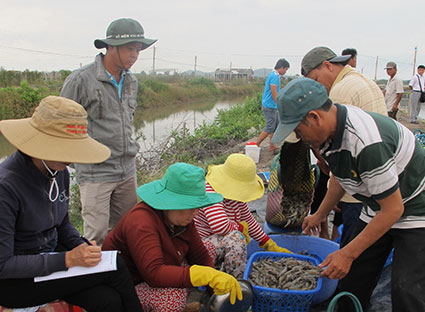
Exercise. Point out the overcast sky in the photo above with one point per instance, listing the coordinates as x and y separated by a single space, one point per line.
52 35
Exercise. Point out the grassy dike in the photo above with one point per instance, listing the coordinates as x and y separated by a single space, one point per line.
22 92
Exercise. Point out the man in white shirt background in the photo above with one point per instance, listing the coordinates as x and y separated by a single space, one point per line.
416 85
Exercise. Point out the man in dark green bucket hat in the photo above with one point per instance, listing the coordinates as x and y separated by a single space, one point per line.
161 246
107 90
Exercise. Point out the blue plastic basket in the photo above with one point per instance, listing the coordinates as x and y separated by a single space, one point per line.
278 300
313 246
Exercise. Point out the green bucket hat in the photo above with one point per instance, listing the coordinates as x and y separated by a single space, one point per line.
123 31
182 187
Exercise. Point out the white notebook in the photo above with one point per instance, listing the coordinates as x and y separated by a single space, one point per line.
108 263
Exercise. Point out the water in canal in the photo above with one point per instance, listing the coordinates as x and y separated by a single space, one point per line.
152 126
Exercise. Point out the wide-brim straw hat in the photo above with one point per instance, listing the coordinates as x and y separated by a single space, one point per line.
236 179
123 31
57 131
182 187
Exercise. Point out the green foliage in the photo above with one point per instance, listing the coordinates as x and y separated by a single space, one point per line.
202 83
64 73
9 78
155 85
74 210
209 141
19 102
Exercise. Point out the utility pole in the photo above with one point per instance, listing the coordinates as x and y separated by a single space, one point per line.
153 63
376 67
194 72
414 60
410 94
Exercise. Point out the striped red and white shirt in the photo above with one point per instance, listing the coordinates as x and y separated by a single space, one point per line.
224 217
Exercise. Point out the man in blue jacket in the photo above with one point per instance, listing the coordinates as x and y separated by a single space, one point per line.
269 106
36 236
107 90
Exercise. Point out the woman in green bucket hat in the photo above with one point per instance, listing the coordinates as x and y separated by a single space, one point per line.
161 246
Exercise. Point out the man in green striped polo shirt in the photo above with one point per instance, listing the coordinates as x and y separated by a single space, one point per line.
379 162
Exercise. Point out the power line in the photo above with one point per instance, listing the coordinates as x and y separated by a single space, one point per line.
45 52
231 54
179 63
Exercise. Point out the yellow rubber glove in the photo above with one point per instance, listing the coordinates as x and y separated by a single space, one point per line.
245 231
222 283
270 245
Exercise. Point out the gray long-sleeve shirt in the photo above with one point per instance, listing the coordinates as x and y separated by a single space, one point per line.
109 120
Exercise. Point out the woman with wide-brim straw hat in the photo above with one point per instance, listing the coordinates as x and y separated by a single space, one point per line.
226 227
34 222
161 246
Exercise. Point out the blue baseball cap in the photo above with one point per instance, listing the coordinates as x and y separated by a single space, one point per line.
294 101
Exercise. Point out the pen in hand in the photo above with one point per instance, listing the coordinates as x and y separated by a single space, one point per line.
86 240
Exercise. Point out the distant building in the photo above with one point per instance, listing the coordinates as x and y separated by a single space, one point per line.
165 71
233 74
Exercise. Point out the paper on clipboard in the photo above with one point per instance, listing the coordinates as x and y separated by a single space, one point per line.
108 263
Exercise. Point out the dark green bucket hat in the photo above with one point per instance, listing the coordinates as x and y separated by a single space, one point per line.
181 187
123 31
294 102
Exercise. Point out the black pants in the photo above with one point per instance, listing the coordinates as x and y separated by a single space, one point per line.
350 216
408 273
319 192
101 292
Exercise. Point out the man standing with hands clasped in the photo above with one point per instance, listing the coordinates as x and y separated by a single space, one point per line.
393 91
107 90
417 86
378 161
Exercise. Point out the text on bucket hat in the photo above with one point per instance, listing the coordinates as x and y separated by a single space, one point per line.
317 56
236 179
182 187
123 31
57 131
299 97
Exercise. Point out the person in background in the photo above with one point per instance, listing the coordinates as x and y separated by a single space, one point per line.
416 85
346 86
269 106
226 227
353 56
36 235
380 162
160 244
393 91
107 90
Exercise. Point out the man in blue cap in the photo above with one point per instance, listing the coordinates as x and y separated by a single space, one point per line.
379 162
107 90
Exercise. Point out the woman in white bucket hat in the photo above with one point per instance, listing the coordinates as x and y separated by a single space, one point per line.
36 235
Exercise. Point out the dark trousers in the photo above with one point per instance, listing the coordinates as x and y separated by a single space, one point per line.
319 192
101 292
408 274
350 216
